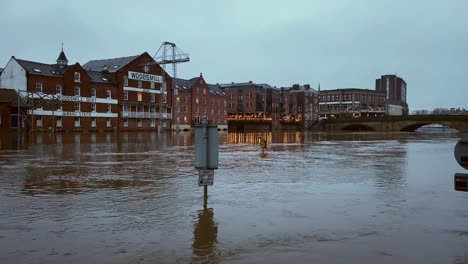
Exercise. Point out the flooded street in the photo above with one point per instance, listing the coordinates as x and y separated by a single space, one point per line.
315 198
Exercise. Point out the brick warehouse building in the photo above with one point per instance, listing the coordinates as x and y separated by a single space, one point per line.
249 102
298 106
195 99
351 102
123 93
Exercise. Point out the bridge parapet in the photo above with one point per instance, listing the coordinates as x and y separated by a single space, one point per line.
394 123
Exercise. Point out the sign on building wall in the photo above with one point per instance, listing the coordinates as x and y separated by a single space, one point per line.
145 77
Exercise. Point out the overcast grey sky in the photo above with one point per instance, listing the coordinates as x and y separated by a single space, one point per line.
339 43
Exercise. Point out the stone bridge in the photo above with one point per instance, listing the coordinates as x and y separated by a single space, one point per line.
394 123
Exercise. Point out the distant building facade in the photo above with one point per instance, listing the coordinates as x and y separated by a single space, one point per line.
249 101
298 105
395 90
196 99
351 102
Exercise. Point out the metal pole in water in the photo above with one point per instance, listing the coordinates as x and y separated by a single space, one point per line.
205 196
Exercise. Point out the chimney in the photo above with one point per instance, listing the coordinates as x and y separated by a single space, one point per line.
307 87
295 87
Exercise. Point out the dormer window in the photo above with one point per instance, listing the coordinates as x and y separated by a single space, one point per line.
77 77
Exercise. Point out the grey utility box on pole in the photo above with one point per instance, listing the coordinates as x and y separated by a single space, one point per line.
206 146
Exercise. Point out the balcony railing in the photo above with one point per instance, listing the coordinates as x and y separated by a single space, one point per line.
149 115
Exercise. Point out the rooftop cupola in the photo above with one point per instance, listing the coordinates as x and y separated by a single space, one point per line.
62 59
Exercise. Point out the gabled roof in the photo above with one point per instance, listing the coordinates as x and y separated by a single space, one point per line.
214 88
110 65
181 84
100 77
54 70
8 96
51 70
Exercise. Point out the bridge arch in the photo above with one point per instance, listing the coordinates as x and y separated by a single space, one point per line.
414 126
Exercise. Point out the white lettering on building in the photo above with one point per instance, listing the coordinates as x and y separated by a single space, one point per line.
145 77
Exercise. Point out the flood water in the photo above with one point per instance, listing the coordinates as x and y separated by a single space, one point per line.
315 198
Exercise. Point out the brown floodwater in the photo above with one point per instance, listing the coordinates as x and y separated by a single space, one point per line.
314 198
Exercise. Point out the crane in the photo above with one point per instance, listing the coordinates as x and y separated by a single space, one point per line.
170 55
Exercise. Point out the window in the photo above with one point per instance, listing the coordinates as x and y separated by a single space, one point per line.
109 108
77 77
59 107
231 96
77 107
38 87
152 85
196 100
198 90
152 109
212 111
77 122
93 122
212 101
178 99
58 89
153 123
93 107
140 123
59 121
300 108
93 92
146 68
39 121
185 109
204 110
125 95
204 100
218 120
185 119
249 95
108 122
109 93
204 91
186 99
125 78
76 91
140 83
140 97
225 103
198 110
153 98
125 124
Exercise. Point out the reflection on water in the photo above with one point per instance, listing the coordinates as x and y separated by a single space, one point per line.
314 197
205 237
